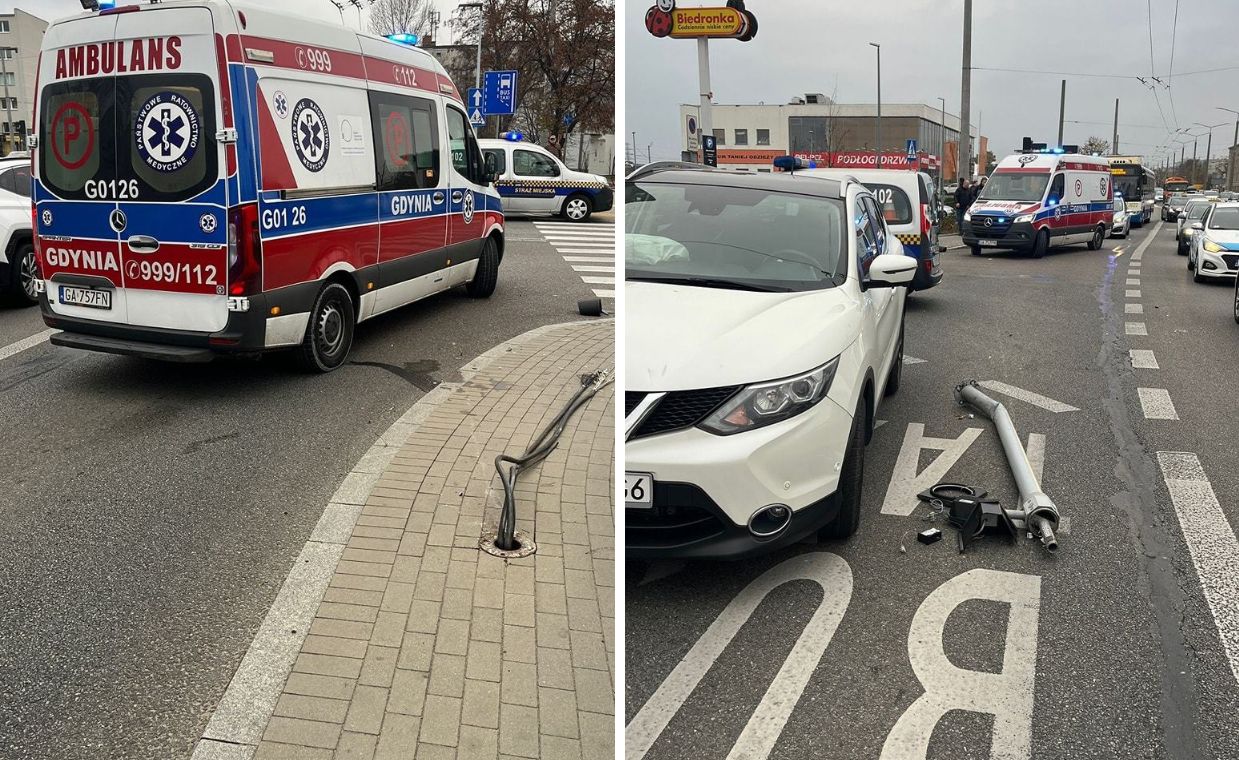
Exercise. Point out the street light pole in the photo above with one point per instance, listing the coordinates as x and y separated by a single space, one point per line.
878 140
477 82
942 143
964 167
1230 172
1209 145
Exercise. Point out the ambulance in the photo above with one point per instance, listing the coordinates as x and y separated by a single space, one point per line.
216 178
1041 199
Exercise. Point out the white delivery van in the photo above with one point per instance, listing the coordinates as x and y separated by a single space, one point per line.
1037 200
531 180
211 177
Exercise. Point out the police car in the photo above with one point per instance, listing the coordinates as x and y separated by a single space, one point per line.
217 178
533 181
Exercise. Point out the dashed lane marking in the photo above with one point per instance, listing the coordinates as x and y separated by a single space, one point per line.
1133 308
1036 399
1133 294
1210 541
1133 280
25 343
1135 328
1156 404
1143 358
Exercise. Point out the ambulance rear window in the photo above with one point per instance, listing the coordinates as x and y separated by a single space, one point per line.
147 137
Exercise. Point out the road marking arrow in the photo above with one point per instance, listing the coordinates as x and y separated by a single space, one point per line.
1036 399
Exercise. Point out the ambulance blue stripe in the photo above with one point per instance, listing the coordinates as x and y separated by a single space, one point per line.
244 117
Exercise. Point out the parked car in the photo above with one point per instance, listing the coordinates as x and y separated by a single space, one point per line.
764 326
1121 223
1194 211
19 269
911 210
531 180
1214 247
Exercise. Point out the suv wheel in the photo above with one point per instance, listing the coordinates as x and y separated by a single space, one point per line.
896 374
851 481
25 275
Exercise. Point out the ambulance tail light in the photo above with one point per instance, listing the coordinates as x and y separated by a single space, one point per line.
925 221
244 251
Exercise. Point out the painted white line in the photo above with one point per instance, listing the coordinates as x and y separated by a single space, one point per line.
913 360
1135 328
598 280
556 236
1036 399
1133 308
1133 280
587 250
246 706
591 244
584 268
1143 358
25 343
604 293
573 226
590 259
1133 294
1211 542
878 423
1156 404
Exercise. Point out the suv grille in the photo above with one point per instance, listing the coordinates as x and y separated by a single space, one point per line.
631 400
681 409
1231 259
682 514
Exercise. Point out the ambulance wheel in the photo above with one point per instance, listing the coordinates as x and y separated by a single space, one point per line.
1099 238
577 208
24 276
487 275
1041 244
329 335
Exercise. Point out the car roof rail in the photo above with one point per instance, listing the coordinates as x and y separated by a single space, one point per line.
658 166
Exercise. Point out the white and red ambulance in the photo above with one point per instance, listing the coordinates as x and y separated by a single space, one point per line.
216 178
1037 200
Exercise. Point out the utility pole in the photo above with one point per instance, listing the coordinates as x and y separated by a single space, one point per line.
965 99
1114 144
705 118
1062 111
635 157
942 144
878 138
4 54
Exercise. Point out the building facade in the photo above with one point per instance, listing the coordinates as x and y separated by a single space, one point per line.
751 136
21 36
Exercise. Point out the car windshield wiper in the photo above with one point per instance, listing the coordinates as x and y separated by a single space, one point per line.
712 282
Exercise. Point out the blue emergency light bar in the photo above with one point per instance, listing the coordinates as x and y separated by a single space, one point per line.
791 163
513 136
404 39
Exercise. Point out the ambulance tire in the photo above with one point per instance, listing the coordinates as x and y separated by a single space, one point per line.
23 276
487 274
1041 244
577 208
1098 239
329 334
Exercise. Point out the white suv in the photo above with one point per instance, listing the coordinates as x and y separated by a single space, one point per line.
18 267
764 324
1213 252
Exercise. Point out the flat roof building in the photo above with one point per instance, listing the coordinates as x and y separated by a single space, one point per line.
21 36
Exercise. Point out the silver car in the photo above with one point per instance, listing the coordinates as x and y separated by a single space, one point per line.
1194 211
1120 223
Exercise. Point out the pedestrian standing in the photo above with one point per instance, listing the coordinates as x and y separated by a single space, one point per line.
963 196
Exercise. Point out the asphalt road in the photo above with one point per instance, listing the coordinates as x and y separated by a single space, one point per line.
1108 649
152 511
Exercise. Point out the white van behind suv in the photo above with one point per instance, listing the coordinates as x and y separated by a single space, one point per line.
764 325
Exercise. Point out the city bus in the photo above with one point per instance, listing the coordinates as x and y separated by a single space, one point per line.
1175 185
1135 182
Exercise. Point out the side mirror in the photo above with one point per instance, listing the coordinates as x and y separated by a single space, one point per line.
891 270
492 168
1198 226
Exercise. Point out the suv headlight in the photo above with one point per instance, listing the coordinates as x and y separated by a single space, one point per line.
1024 218
764 404
1211 246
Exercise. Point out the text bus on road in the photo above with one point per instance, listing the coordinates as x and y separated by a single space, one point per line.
1175 185
213 178
1136 183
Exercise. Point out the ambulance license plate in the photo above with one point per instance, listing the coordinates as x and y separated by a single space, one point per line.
91 297
638 490
988 243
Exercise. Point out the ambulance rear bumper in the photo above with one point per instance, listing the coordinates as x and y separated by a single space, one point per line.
162 352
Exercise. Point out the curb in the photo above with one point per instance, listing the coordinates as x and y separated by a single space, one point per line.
243 711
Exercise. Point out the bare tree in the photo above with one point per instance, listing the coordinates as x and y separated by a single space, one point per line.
1095 144
400 16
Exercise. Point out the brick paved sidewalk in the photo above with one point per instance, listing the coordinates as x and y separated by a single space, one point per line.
425 647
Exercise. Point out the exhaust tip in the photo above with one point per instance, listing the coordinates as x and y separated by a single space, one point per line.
770 521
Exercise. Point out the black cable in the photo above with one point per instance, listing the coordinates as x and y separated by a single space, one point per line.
539 449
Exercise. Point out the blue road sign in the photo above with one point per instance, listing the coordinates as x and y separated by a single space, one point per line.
499 93
473 101
911 150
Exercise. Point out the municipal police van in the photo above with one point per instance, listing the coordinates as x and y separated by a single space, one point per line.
217 178
1036 200
533 181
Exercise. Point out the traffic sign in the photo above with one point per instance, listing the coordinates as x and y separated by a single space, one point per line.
911 150
709 151
473 99
499 93
476 117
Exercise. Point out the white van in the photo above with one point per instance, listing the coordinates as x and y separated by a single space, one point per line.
1037 200
911 209
531 180
211 177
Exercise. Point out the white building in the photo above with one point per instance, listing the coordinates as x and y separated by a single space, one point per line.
21 36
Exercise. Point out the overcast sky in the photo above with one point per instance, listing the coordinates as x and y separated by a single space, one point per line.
50 10
804 45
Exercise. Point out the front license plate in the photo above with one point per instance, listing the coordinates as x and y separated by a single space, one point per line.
638 490
91 297
990 243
